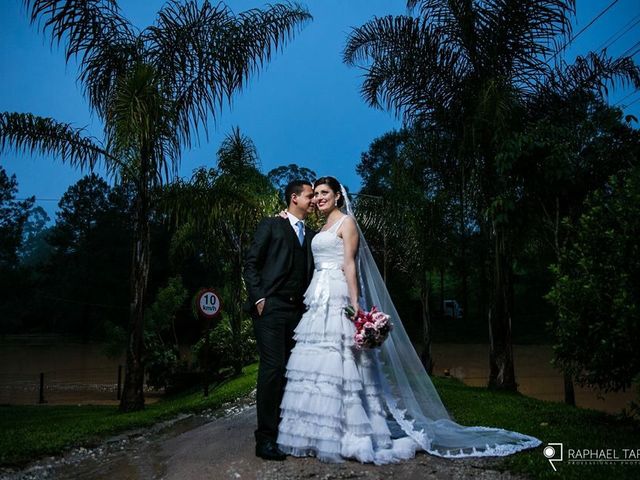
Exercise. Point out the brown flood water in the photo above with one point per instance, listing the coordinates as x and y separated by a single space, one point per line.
535 375
76 373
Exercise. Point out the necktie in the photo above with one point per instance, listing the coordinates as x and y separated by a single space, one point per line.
300 226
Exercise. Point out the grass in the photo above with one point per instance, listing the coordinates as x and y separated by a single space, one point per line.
551 422
29 432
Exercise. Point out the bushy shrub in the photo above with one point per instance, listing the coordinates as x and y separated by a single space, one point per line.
597 289
221 349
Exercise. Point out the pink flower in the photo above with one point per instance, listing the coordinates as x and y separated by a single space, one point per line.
372 328
378 316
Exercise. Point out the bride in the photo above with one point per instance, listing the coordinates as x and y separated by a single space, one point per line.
374 405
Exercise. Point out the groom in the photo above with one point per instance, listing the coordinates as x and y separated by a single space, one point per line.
277 271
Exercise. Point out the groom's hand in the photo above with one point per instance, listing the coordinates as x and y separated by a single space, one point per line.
260 307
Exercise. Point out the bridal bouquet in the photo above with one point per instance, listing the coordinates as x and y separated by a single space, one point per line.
372 328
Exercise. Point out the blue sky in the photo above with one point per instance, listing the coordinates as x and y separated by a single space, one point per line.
304 107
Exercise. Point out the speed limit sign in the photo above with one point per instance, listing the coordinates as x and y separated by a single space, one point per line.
208 303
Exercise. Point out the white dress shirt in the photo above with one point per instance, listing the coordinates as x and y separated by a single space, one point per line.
294 220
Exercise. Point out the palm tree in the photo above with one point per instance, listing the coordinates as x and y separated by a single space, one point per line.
154 90
476 69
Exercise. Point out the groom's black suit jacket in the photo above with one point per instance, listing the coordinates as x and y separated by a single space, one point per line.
270 258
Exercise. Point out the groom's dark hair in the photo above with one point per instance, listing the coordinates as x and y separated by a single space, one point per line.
294 187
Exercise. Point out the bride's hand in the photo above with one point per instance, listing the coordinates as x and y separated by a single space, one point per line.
282 214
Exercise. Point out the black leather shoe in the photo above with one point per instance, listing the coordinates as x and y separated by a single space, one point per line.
270 451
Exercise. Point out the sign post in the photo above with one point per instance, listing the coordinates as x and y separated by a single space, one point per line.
207 308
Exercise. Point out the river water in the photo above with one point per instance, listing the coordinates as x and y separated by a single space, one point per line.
77 373
74 372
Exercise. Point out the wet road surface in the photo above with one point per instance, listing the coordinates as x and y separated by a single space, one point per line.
220 445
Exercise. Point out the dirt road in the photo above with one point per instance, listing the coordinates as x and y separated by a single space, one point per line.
221 446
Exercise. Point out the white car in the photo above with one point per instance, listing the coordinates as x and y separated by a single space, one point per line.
452 309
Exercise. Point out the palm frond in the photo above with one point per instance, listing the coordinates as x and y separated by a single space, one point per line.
423 66
94 31
518 38
140 117
455 20
510 38
413 71
205 53
595 72
24 132
237 153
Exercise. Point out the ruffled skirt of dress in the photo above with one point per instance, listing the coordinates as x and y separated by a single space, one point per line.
332 406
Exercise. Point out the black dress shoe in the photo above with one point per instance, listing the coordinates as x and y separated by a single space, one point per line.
269 451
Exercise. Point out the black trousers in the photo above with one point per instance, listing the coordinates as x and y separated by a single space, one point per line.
274 336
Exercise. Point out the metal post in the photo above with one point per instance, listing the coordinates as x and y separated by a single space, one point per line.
205 373
119 394
41 399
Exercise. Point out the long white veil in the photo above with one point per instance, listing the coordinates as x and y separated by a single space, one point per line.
414 404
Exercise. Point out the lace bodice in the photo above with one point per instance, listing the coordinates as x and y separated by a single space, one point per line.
327 246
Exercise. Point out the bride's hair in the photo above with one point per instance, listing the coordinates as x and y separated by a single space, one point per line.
333 185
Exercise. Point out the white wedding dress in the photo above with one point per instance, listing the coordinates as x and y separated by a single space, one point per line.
337 403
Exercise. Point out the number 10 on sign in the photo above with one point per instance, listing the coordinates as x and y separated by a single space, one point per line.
208 303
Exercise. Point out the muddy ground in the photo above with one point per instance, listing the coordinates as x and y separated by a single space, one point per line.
220 445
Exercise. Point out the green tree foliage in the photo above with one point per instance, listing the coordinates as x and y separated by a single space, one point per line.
281 176
216 214
82 280
406 215
35 249
597 289
13 279
223 341
162 356
13 217
153 89
570 151
478 71
78 212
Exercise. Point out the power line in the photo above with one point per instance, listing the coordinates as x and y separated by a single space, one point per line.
39 199
584 29
611 40
635 101
632 47
625 97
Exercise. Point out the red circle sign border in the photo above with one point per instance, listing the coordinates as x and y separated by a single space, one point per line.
199 296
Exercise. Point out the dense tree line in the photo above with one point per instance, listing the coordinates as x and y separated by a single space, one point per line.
153 89
505 186
481 80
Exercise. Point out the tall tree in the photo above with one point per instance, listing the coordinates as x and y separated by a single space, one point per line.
597 288
153 89
34 247
409 212
282 175
572 149
475 68
13 217
79 209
